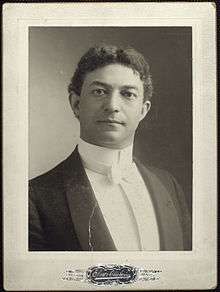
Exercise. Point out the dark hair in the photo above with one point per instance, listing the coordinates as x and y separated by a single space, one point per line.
100 56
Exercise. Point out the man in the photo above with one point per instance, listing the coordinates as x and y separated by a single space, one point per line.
100 197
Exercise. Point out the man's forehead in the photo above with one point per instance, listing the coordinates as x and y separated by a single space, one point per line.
114 74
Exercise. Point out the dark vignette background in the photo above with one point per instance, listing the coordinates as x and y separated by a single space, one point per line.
164 138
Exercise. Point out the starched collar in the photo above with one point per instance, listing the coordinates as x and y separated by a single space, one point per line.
102 159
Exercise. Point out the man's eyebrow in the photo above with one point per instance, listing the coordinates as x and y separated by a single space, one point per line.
100 83
130 87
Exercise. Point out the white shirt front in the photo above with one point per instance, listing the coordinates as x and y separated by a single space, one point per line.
122 196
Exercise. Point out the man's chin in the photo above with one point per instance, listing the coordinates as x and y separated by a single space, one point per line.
112 140
111 136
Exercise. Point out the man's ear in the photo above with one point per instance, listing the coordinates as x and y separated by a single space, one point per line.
145 109
74 102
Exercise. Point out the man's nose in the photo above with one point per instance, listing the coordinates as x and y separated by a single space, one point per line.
112 102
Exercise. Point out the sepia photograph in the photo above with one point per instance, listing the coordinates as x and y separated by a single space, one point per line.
118 189
109 146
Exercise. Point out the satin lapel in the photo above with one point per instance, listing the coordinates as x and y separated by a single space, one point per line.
87 218
164 205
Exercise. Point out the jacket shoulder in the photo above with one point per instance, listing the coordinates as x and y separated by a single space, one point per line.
165 177
57 174
48 178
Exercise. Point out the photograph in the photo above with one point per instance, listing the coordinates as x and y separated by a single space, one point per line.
109 146
118 189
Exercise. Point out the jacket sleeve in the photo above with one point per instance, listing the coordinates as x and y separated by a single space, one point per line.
36 235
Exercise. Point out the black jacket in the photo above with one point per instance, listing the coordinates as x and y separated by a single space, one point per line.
61 202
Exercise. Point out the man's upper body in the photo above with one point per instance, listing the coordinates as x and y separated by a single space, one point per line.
62 202
100 198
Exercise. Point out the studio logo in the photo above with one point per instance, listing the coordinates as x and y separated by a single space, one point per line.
111 274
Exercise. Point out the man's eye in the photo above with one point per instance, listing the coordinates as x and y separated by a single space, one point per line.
128 94
98 92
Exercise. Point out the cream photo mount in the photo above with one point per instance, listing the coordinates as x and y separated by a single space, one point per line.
24 270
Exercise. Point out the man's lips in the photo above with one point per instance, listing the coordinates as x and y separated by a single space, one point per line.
109 121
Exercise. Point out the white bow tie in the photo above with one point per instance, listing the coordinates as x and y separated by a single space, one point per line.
116 173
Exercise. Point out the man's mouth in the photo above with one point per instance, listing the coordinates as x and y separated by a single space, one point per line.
110 121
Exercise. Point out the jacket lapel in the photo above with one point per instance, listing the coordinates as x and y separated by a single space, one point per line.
86 215
165 205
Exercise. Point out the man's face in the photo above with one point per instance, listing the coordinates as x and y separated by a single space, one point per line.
110 106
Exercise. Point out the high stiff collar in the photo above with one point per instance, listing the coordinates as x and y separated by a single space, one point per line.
100 159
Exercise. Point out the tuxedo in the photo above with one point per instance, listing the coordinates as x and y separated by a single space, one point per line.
61 202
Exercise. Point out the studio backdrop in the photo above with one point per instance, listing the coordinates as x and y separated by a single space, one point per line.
164 137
